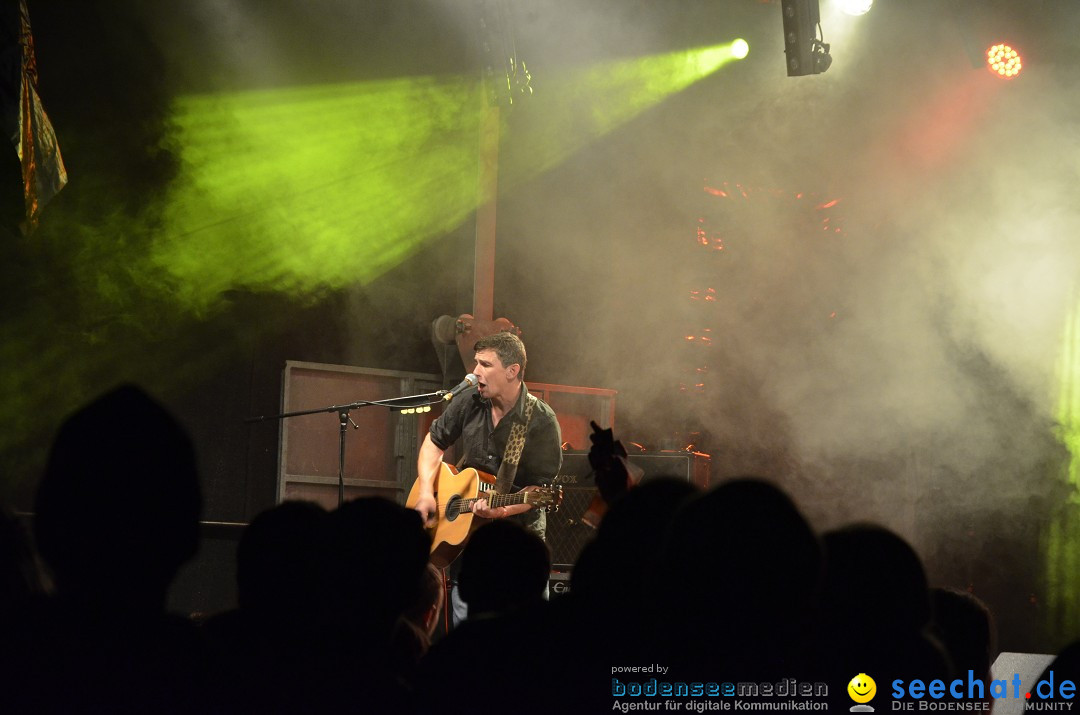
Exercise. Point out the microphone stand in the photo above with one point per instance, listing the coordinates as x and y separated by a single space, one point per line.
344 420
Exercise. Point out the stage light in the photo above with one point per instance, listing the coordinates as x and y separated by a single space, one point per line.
506 78
855 7
1003 60
740 48
806 51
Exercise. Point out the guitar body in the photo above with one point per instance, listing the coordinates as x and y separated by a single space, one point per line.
454 493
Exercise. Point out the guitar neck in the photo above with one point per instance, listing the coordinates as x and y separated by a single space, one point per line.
497 500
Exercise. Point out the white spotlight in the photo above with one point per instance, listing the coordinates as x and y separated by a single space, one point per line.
855 7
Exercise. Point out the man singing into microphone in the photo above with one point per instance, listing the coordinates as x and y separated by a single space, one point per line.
484 417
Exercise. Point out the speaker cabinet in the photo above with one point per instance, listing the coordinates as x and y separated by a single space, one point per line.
567 534
380 454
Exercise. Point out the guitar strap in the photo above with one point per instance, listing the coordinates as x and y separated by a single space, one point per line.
512 455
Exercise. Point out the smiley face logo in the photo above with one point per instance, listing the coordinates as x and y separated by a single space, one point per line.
862 688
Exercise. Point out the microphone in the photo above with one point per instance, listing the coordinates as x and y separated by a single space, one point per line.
469 381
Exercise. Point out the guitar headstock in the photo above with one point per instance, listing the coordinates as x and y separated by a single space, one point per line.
545 498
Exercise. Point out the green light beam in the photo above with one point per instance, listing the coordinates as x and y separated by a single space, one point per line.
581 105
1061 538
303 190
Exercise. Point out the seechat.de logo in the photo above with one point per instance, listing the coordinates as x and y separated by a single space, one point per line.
862 690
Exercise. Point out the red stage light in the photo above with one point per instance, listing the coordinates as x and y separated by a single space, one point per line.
1003 61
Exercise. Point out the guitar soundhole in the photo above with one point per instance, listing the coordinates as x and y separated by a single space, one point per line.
453 507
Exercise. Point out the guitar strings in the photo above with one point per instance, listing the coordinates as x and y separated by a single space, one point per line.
498 500
493 503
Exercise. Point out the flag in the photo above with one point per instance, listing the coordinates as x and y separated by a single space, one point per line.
43 172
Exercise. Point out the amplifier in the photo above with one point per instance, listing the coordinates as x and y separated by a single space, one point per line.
567 535
558 584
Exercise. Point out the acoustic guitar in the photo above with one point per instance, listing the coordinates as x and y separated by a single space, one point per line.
455 494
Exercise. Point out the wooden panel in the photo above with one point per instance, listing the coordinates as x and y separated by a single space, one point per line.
313 439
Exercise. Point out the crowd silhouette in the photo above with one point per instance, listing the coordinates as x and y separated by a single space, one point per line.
337 610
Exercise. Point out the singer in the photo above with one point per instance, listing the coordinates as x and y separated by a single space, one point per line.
484 417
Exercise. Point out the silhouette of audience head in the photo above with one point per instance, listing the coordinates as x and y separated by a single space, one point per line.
424 612
383 554
964 625
746 545
413 636
284 563
876 607
117 515
744 549
118 505
629 540
503 567
875 582
637 520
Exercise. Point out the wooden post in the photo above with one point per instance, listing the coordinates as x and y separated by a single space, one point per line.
487 192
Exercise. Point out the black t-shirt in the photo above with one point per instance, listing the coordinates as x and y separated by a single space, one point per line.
468 417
